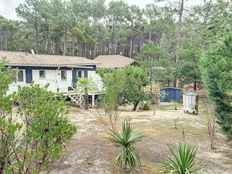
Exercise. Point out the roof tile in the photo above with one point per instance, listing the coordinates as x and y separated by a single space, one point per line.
27 59
113 61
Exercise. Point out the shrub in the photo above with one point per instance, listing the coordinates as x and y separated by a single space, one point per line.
47 127
128 84
127 157
181 160
217 77
35 136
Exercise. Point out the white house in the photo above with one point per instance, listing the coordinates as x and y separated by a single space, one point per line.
60 72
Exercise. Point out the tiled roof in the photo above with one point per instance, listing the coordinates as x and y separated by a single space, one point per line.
28 59
113 61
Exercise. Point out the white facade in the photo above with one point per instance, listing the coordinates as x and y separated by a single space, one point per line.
57 79
53 78
13 87
97 79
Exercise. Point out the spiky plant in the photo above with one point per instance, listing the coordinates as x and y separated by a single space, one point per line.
127 157
181 160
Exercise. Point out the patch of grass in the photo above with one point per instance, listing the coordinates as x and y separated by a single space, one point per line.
228 155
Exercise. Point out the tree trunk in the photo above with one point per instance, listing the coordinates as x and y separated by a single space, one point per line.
135 106
2 165
195 84
73 48
115 45
179 29
47 42
176 83
65 40
131 47
37 39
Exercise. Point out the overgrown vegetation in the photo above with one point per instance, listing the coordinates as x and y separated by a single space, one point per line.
37 133
217 78
127 85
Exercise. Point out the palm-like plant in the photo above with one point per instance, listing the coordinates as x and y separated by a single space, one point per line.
84 85
127 157
181 160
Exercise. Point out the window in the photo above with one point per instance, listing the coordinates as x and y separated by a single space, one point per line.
63 75
80 74
42 74
20 76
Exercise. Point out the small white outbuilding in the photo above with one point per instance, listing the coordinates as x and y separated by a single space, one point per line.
190 103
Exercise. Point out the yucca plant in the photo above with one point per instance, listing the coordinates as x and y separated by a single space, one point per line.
181 160
127 158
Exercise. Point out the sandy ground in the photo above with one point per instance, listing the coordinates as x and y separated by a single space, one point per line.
90 153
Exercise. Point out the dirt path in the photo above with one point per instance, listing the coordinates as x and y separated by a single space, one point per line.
90 153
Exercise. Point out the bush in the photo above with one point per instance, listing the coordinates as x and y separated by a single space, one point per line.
127 157
37 134
127 85
47 127
217 77
181 160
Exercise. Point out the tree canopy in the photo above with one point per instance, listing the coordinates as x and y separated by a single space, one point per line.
167 39
217 78
93 27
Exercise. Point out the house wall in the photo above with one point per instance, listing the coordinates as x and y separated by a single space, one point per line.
13 87
97 79
53 77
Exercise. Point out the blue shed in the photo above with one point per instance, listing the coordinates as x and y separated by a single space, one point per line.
170 94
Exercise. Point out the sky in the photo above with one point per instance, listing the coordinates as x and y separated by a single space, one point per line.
7 7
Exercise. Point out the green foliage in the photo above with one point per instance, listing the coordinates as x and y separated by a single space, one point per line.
5 78
84 86
36 135
125 85
180 160
113 82
8 128
47 128
84 83
155 61
90 28
136 79
151 53
127 157
217 77
221 23
188 70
